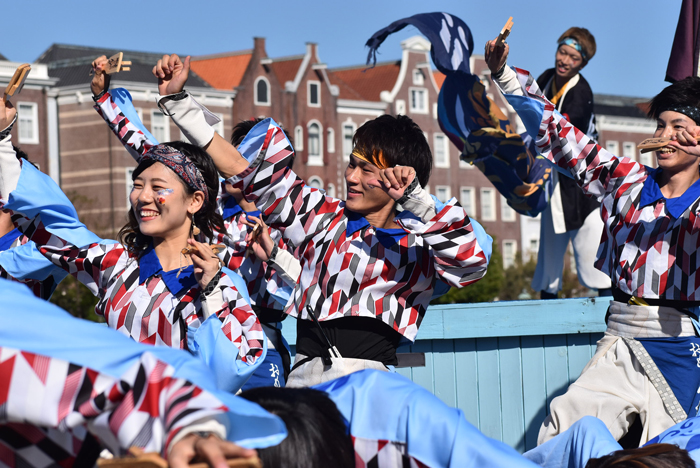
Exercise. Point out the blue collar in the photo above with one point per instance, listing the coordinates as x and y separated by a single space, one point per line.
387 237
675 206
7 240
149 265
232 208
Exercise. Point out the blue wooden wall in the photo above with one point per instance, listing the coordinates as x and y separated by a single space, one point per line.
502 363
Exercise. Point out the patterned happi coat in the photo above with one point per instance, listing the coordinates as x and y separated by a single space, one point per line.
349 268
41 288
649 245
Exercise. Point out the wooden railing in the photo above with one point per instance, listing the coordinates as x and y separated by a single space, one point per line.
502 363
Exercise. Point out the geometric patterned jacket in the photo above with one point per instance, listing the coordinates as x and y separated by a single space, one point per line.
649 245
350 268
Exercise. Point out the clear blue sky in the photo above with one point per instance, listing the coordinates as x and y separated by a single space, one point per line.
634 36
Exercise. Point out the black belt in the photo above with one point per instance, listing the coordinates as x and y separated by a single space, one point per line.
625 298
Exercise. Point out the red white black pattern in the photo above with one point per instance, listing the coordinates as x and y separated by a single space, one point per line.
42 289
370 453
354 274
46 405
646 251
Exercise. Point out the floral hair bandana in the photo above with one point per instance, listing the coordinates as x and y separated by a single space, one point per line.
180 164
570 41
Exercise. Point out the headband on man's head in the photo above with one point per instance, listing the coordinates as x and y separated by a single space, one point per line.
689 111
380 161
180 165
570 41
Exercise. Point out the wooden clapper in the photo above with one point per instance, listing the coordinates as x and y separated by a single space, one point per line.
116 64
17 81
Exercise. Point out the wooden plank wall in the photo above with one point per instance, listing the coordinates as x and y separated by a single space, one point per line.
503 363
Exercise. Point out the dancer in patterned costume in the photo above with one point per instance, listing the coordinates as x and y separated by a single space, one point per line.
647 363
181 303
367 273
69 387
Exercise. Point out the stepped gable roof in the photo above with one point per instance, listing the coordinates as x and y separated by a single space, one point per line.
222 71
362 83
286 68
71 64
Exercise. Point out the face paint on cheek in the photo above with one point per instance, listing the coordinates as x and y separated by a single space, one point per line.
162 194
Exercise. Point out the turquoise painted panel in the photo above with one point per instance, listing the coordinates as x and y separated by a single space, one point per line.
466 379
511 371
556 366
424 375
445 372
488 375
534 387
579 353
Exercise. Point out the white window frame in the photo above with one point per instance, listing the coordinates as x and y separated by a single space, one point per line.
491 195
508 214
129 184
308 93
348 124
400 107
629 150
315 159
465 165
33 122
330 140
448 192
166 128
507 263
613 146
418 77
257 101
468 195
299 138
415 110
440 140
317 180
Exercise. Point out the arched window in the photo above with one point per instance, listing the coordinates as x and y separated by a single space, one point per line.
330 190
315 148
316 182
299 138
262 91
331 140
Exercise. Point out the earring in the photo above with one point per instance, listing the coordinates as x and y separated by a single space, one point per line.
195 229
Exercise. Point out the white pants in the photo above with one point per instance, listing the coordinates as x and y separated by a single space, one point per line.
550 258
314 372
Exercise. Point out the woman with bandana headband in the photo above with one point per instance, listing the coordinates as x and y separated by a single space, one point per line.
149 288
647 365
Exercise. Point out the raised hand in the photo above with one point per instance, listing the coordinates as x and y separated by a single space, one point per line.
496 56
172 74
100 80
258 239
211 449
395 180
205 261
7 114
686 140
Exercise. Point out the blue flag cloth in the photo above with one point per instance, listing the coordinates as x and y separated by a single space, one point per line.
384 406
45 329
685 434
122 98
451 39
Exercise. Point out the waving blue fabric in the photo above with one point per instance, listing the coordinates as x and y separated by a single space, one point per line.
48 330
386 406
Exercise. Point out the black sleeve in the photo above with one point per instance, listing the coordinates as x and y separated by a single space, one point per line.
578 105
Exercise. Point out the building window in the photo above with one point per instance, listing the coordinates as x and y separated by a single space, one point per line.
28 116
466 199
160 127
129 185
315 145
629 150
315 182
299 138
418 77
419 100
507 213
442 150
534 247
348 133
488 204
510 248
331 140
465 165
613 147
314 93
645 158
262 92
330 190
400 107
442 192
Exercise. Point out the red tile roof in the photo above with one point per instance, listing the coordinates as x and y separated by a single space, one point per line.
222 71
356 83
286 69
439 78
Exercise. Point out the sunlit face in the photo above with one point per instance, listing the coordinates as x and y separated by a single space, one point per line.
161 204
670 158
363 184
568 62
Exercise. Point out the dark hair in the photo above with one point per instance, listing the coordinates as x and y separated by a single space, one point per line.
399 140
650 456
685 92
207 218
241 129
584 37
22 155
317 433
